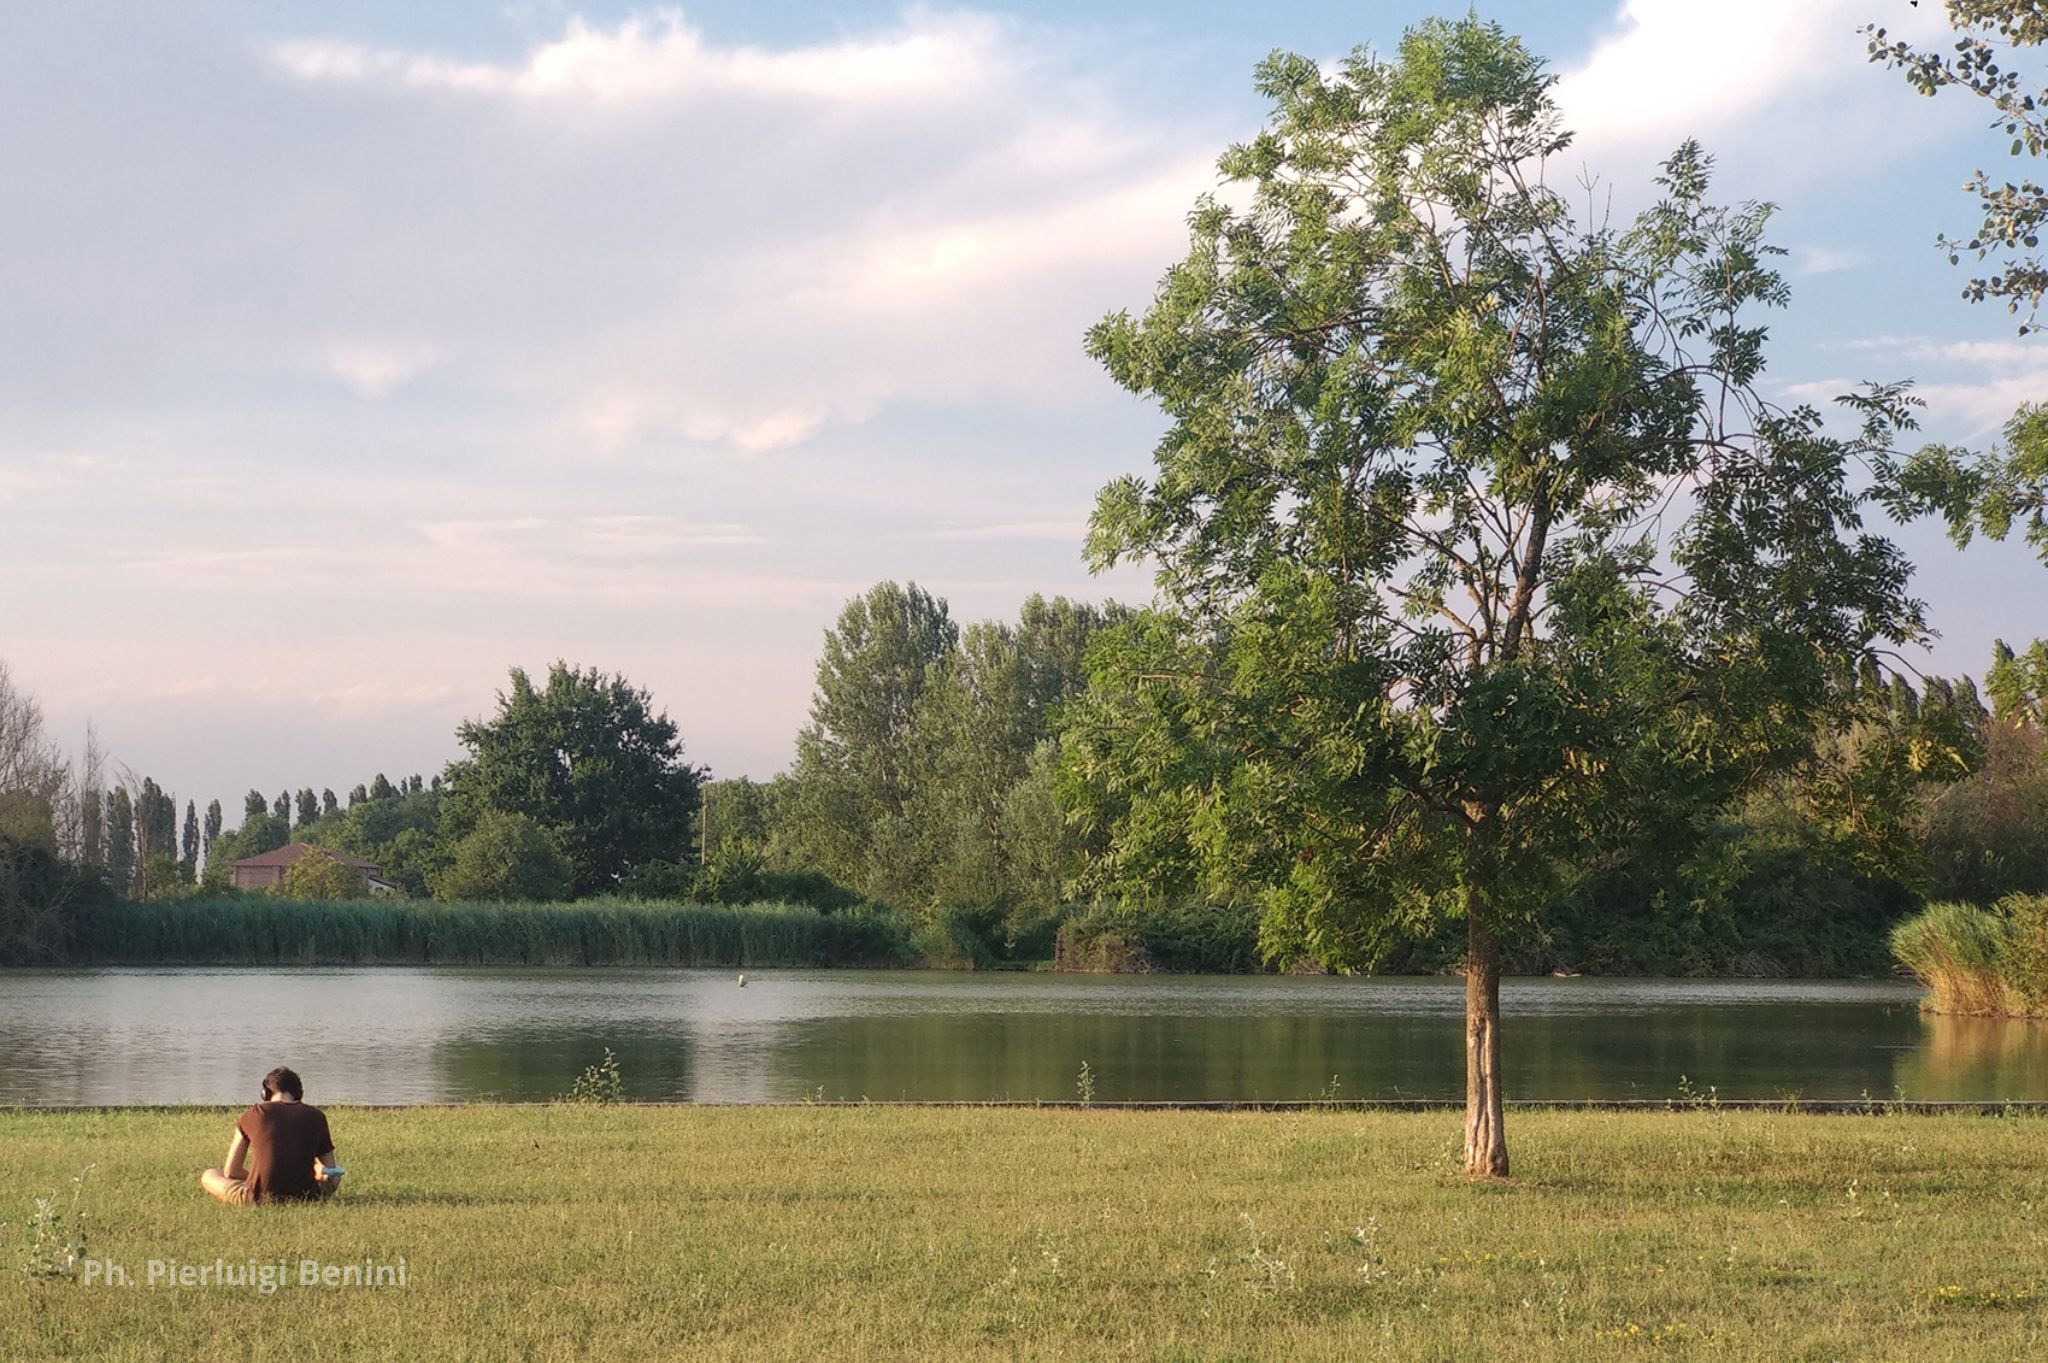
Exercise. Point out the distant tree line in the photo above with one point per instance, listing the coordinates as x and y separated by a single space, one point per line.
945 777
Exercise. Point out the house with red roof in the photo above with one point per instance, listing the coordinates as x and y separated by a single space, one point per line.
264 870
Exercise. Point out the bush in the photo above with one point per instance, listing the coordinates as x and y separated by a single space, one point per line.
600 1084
41 899
957 937
1185 938
506 856
1980 961
317 875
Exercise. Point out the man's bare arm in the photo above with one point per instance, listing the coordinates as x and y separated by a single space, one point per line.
238 1151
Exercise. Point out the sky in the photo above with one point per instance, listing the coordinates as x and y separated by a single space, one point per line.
352 354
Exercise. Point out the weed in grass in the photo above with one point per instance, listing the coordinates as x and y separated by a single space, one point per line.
1373 1266
599 1083
1265 1272
53 1237
1694 1099
1084 1085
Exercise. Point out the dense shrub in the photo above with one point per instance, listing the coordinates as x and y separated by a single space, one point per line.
41 899
506 856
318 875
1974 960
1192 938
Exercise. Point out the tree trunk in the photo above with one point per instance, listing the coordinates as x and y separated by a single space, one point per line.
1486 1139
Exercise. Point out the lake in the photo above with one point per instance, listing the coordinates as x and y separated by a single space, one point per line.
448 1034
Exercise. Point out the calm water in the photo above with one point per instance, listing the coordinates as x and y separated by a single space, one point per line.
413 1035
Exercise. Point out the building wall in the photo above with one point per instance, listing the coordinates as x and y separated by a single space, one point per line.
255 877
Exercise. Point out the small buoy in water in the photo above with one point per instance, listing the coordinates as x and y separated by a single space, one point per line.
743 981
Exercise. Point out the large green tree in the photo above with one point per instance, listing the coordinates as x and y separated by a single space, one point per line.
849 809
120 841
990 706
1474 534
188 845
590 761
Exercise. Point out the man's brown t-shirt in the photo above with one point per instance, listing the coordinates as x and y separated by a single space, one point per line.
284 1140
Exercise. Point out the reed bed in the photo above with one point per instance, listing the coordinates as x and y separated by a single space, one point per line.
1977 961
259 930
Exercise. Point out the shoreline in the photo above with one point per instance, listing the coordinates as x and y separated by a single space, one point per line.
1791 1107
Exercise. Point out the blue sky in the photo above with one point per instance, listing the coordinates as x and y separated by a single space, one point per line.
354 353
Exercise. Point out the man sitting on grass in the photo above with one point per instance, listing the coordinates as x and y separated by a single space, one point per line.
289 1154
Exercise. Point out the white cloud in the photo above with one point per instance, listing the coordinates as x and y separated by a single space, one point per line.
1820 260
776 242
1072 530
660 58
609 537
41 475
1738 74
1970 387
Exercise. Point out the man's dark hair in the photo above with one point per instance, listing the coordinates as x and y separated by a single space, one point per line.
283 1080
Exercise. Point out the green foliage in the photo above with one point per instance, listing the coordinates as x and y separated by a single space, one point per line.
1989 492
401 833
925 779
1185 938
1995 489
738 813
957 936
984 733
162 877
1432 639
260 930
41 897
1986 837
1986 59
599 1084
2018 684
505 856
586 758
318 875
261 831
1980 961
848 810
188 845
120 841
54 1239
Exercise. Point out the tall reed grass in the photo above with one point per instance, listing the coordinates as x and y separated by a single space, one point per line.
260 930
1980 961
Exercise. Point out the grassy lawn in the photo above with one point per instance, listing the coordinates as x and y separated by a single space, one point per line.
829 1233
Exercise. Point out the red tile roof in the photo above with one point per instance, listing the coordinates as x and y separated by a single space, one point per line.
285 856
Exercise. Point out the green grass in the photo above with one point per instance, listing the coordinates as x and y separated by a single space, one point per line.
841 1233
260 930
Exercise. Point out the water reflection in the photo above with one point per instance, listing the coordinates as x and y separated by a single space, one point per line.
399 1035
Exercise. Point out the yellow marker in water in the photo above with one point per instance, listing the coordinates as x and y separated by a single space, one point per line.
743 981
